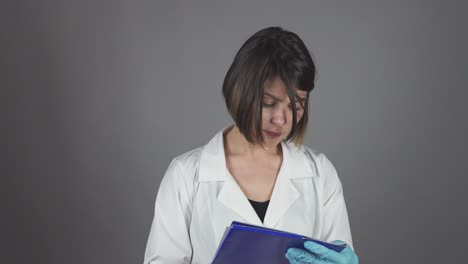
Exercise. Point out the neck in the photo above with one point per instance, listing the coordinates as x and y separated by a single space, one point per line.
236 144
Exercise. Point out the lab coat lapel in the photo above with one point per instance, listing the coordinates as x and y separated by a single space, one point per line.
298 163
213 168
232 197
284 193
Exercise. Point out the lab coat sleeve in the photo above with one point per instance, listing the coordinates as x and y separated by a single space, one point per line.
335 216
169 240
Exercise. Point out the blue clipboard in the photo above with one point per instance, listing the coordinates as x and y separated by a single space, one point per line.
245 243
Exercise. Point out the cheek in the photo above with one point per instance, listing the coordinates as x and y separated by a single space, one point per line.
266 115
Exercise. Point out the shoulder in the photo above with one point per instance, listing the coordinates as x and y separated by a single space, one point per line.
323 171
180 175
202 160
318 157
316 160
184 167
188 160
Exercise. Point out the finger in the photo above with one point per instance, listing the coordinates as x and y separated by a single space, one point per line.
295 261
348 252
291 259
322 251
301 255
339 242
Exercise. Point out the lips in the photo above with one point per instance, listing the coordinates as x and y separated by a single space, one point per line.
273 134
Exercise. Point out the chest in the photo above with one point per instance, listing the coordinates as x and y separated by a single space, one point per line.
255 177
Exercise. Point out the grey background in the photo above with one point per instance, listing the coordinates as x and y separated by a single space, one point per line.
100 95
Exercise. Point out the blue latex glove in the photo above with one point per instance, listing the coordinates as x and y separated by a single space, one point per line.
318 254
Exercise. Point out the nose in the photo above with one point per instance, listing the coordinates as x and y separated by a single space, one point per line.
279 117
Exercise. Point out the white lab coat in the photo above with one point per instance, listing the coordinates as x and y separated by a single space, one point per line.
198 199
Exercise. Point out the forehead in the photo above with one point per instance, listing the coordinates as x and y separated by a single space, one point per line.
277 88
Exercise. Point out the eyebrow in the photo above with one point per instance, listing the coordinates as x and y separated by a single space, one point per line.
298 98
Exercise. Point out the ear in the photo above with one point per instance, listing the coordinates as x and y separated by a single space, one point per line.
299 114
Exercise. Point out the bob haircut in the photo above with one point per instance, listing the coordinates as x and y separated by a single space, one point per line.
271 52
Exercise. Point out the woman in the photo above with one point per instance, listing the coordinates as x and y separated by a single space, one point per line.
256 171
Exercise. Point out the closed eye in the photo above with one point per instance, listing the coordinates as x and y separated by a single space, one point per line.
266 105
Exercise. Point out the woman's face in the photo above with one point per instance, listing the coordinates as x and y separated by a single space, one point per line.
277 112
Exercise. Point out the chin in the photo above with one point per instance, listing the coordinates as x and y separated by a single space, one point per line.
272 143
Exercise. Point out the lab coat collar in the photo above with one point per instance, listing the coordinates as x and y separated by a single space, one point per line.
295 165
213 161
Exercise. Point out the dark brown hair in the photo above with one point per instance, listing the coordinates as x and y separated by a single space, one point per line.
269 53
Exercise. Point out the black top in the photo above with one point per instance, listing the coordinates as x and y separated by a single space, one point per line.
260 208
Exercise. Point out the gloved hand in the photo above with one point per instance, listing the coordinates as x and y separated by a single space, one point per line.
318 254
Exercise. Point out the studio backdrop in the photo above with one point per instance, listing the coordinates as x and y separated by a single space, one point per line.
100 96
